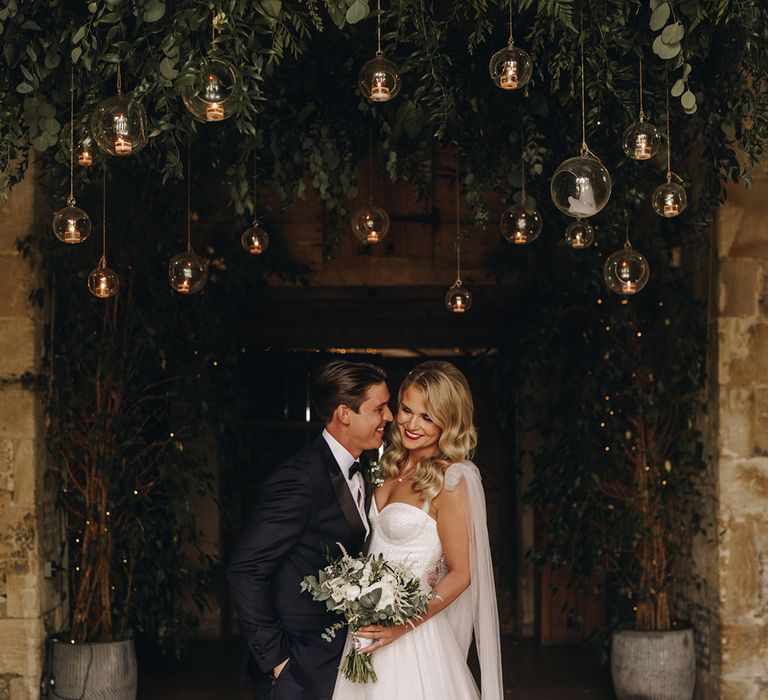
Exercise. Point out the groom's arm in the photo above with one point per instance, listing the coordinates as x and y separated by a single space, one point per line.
278 522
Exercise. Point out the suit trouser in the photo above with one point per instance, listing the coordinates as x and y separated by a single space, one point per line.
284 687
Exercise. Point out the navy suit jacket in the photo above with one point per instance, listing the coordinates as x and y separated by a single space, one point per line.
304 509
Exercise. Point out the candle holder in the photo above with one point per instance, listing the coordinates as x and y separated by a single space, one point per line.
579 234
511 68
119 124
255 240
520 224
458 299
626 272
213 94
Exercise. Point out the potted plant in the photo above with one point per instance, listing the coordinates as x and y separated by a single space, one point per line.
123 400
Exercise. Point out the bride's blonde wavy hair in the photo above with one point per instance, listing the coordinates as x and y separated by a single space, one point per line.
450 406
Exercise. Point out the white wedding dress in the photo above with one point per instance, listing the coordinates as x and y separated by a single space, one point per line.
430 661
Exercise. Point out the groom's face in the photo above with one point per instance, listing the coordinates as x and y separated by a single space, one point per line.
366 427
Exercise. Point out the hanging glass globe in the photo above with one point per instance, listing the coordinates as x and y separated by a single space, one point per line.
520 224
626 271
581 186
669 199
71 224
84 153
255 239
641 140
370 224
458 298
379 79
511 68
212 95
103 282
579 234
188 272
119 126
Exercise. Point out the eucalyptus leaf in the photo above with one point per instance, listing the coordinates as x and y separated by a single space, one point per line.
665 51
688 100
660 16
24 88
154 11
686 71
358 11
654 4
673 33
75 54
678 88
168 69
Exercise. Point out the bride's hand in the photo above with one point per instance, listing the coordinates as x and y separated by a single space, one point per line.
381 636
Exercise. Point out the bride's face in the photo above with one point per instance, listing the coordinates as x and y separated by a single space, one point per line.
418 430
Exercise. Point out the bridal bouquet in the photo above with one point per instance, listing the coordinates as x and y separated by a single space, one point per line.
366 590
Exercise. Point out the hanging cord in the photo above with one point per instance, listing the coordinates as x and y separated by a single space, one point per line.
213 34
511 41
255 180
119 80
189 197
669 156
458 223
71 198
584 147
103 261
627 244
370 163
378 28
522 178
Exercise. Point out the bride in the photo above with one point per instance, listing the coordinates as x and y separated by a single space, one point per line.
430 514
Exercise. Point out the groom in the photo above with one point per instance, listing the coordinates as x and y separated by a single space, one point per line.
317 498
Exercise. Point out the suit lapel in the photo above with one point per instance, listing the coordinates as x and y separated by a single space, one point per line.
340 488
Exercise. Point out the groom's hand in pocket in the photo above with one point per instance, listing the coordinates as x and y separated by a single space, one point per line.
277 670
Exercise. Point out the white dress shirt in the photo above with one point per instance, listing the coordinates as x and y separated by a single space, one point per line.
356 484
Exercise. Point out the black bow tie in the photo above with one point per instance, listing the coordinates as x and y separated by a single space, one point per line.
355 469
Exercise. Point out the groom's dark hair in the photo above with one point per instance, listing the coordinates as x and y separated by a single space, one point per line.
341 382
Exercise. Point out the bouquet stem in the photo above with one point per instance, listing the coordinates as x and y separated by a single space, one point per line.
358 668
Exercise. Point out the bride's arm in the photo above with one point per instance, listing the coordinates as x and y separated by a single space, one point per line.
451 507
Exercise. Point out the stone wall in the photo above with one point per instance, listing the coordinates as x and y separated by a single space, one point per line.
742 442
30 605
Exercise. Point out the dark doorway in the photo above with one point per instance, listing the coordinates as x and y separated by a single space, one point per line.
282 421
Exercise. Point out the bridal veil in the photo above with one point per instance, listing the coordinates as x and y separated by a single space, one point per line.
476 609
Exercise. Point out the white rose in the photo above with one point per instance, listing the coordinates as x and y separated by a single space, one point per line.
352 592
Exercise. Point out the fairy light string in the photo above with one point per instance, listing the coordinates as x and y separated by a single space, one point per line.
378 28
642 112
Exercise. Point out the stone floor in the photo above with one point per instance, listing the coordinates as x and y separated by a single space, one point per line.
532 672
